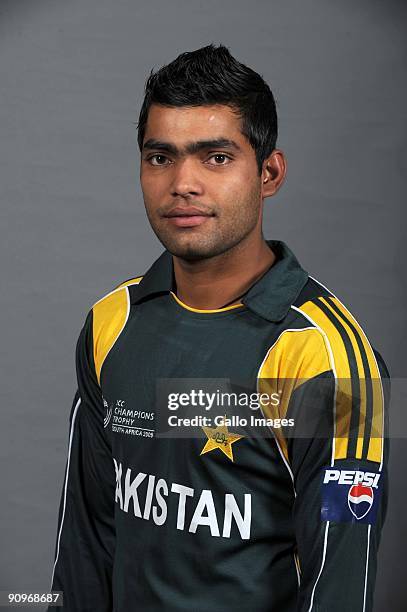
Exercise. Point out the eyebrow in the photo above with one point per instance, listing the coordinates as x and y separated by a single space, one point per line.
192 147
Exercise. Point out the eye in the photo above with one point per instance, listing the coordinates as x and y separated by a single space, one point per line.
159 159
222 157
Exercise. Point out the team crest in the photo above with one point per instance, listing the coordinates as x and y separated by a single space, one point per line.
220 438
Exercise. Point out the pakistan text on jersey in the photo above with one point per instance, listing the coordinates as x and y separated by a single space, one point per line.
205 513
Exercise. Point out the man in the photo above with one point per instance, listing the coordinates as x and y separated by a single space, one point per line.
221 520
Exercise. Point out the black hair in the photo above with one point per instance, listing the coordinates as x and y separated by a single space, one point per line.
211 75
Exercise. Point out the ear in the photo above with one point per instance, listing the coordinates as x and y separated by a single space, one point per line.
273 174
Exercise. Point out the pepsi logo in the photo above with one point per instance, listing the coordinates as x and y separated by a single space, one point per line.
360 500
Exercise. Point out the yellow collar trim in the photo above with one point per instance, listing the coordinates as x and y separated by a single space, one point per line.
238 305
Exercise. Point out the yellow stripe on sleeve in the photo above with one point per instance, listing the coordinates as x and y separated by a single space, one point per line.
376 435
343 403
361 375
297 356
339 325
109 317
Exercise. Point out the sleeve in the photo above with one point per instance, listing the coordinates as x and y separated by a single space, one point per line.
338 456
85 533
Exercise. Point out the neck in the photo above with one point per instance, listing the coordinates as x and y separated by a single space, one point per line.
210 283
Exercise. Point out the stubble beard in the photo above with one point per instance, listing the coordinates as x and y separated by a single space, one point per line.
196 243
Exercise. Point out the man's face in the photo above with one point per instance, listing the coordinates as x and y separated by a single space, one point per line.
200 181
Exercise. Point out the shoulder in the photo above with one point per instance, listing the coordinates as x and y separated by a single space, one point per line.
327 339
108 316
358 368
300 350
115 301
322 334
344 337
119 289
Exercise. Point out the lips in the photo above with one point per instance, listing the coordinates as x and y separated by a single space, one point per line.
187 217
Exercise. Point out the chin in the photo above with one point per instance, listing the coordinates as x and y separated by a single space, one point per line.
191 252
191 249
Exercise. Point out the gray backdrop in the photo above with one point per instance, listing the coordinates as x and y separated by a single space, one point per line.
73 225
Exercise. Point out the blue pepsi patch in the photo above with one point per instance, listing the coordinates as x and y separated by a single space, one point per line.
350 495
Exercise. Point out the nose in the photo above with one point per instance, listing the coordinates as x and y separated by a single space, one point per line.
185 179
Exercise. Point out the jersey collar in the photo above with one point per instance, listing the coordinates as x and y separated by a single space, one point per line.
270 297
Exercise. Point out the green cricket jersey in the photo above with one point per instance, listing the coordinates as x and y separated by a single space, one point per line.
274 509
